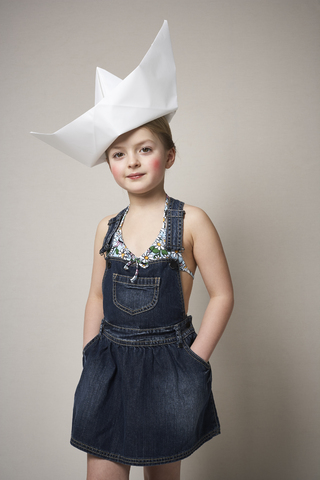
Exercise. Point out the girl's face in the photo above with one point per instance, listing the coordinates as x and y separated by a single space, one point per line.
138 160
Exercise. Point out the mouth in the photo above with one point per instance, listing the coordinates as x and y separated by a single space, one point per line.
135 176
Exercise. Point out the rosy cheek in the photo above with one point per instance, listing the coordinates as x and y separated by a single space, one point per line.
156 164
115 170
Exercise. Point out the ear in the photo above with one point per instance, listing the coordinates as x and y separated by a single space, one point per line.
171 156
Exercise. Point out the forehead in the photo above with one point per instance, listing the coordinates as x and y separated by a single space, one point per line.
134 137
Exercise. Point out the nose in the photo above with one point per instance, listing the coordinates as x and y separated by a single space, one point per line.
133 160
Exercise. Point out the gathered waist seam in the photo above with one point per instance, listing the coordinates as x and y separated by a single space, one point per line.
155 336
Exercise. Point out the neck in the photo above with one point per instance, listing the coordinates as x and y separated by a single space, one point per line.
148 199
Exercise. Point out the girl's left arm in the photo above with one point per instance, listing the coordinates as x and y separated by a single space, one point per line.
210 258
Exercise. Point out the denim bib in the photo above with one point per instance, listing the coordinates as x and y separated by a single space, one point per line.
155 298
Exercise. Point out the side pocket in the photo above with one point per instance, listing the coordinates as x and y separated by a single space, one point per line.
188 341
87 348
91 342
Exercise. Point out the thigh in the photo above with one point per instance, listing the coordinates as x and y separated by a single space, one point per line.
100 469
169 471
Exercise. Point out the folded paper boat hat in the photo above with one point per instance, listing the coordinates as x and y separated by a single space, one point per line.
147 93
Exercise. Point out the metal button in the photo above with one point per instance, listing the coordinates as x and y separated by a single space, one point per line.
174 264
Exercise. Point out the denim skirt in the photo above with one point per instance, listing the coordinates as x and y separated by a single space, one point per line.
144 397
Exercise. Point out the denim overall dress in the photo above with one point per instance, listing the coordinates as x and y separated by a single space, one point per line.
144 397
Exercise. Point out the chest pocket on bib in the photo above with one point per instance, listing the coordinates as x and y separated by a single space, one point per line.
138 297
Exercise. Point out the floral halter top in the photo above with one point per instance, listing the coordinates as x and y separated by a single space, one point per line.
154 252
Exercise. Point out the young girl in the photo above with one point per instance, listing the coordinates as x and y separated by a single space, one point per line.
144 397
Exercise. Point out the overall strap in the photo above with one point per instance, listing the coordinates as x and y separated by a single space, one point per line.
113 223
175 215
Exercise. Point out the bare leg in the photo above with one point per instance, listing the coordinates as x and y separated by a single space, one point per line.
169 471
100 469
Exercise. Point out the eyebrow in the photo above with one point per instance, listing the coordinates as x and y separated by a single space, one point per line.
119 146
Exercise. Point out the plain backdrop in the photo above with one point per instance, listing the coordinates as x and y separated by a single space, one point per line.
247 134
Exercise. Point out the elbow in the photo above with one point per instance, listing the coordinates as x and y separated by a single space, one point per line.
227 303
229 295
231 303
230 300
94 299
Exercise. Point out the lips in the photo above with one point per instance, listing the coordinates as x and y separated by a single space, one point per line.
134 176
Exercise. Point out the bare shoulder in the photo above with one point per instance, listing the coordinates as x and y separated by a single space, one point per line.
195 213
103 228
103 224
198 223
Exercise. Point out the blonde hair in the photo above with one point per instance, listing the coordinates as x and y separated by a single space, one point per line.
161 128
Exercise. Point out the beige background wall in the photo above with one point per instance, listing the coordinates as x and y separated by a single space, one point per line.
247 132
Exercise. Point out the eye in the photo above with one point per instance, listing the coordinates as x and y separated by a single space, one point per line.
117 155
146 149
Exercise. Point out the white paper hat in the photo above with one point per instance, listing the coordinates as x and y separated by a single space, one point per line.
149 92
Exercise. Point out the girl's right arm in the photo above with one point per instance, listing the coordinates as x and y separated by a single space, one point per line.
94 307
